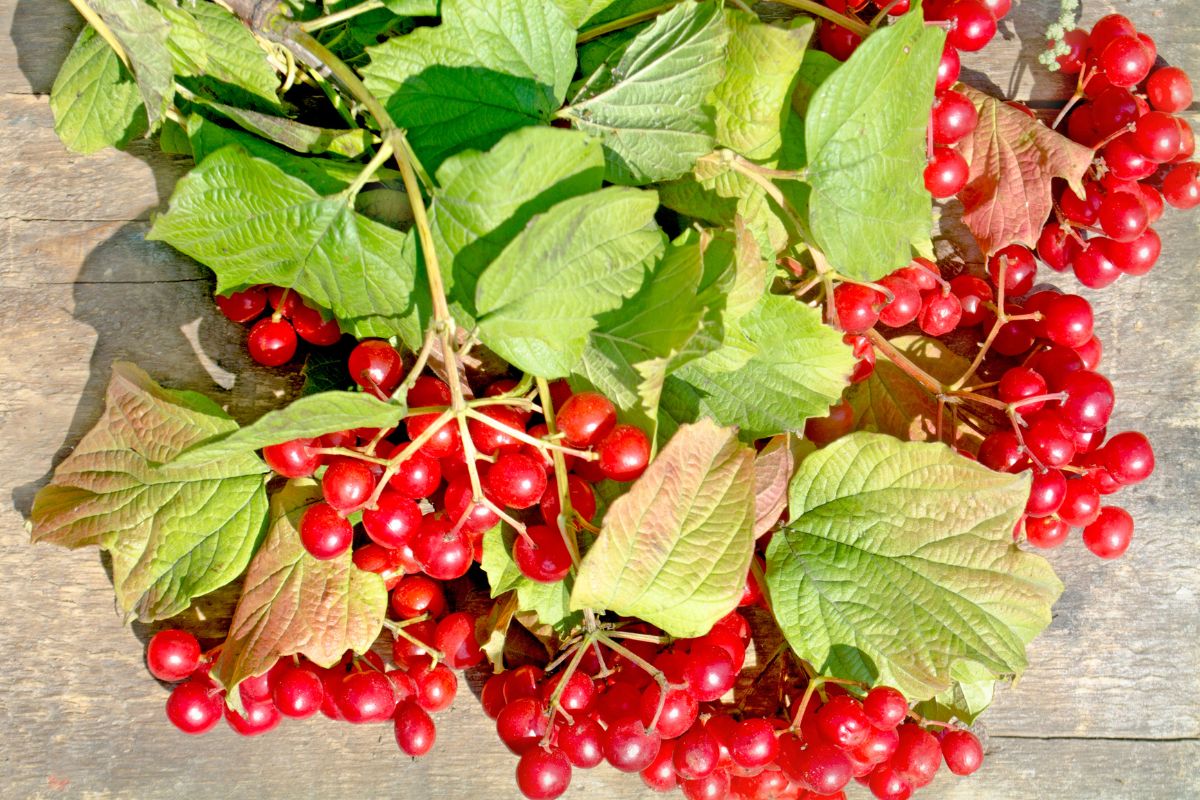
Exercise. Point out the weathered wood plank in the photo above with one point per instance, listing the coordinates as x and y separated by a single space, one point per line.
35 36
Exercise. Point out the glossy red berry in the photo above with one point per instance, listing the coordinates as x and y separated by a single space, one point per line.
435 686
1123 216
194 706
315 329
1128 457
628 746
443 553
295 459
172 655
1071 62
1169 89
1019 267
962 751
660 775
1125 161
954 115
918 755
417 476
710 672
679 710
1136 257
324 532
1181 187
972 25
1158 136
1046 533
837 41
543 773
1110 534
1093 267
585 419
541 554
487 438
940 313
580 495
376 366
885 707
366 696
856 306
516 480
460 505
623 453
1089 401
697 753
347 483
393 521
582 743
820 768
298 693
948 69
272 343
416 595
946 173
243 306
1126 61
414 729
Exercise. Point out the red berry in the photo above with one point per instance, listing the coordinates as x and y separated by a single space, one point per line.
194 706
1123 216
435 687
697 753
947 172
414 729
1071 62
1067 320
460 505
272 343
1128 457
885 707
1135 257
948 69
1126 61
962 751
376 366
393 520
1020 383
580 495
917 756
541 554
842 722
543 774
315 329
1046 533
629 747
660 775
516 480
366 696
585 419
1108 28
1089 401
1158 136
1181 187
294 459
417 476
489 440
820 768
1020 269
940 313
679 710
623 453
242 306
172 655
416 595
710 672
837 41
298 693
972 25
1093 267
1110 534
347 483
954 115
856 306
1169 90
442 553
582 743
324 532
1125 161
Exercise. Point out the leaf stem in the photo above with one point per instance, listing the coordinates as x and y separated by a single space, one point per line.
560 476
378 160
102 28
341 16
824 12
904 363
624 22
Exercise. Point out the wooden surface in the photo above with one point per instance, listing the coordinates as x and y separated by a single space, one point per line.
1108 709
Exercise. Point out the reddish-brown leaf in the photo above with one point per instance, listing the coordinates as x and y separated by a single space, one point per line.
1013 160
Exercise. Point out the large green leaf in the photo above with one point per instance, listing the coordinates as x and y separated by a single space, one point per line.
489 68
797 367
669 322
250 222
650 108
292 603
865 139
174 531
538 299
753 100
310 416
550 601
217 56
141 32
487 198
95 101
898 562
675 549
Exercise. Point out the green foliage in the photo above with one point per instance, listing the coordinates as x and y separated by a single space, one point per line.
865 139
674 550
487 69
140 35
898 562
95 101
650 108
174 531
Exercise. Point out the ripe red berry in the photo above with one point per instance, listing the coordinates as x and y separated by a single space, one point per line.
242 306
298 693
856 306
541 554
582 743
1081 503
315 329
1169 90
962 751
628 746
324 532
679 710
954 115
1126 61
543 774
623 453
366 696
1158 136
1125 161
842 722
488 439
1020 269
660 775
819 768
414 729
1135 257
1123 216
294 459
917 756
1089 401
416 595
1128 457
940 313
947 172
1181 187
347 483
1071 62
585 419
1020 383
1093 267
837 41
885 707
709 673
272 343
435 686
194 706
1046 533
516 480
172 655
417 476
442 553
972 25
580 495
1110 534
393 520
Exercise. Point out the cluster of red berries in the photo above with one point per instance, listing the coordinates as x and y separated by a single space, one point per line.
652 706
274 338
357 689
970 24
1144 154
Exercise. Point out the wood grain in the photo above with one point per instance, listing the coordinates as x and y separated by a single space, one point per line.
1106 710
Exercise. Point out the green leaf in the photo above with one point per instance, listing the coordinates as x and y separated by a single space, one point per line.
489 68
325 175
250 222
587 14
650 107
142 33
753 99
486 199
899 562
659 329
349 143
967 698
217 56
674 551
550 601
95 101
797 368
582 257
292 603
1014 161
865 139
412 8
305 418
174 532
815 68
